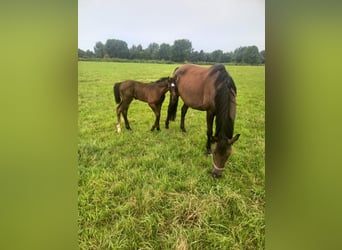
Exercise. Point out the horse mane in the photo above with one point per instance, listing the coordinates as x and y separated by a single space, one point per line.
223 76
225 103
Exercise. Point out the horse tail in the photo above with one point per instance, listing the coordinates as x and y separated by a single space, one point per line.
172 109
116 90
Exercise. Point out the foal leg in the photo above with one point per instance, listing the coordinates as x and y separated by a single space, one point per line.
118 115
156 109
125 106
158 115
210 120
184 110
124 112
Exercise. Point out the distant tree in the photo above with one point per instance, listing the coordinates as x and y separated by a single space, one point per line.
262 55
99 50
89 53
85 54
227 57
81 53
153 51
181 50
165 51
140 52
251 55
248 55
195 56
116 48
145 54
216 56
135 52
238 54
202 56
132 52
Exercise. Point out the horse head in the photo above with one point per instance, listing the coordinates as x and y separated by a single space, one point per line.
222 151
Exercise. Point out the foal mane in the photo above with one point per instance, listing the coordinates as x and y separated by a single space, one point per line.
224 101
161 80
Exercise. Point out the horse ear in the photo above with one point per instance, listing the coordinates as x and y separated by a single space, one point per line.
234 139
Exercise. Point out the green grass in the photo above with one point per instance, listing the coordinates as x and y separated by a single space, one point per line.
153 190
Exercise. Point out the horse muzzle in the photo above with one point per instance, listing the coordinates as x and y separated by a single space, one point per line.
216 172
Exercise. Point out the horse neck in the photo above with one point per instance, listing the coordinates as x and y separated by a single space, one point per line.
163 86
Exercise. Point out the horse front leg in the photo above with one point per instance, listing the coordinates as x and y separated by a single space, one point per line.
118 115
210 120
156 109
124 108
125 112
184 110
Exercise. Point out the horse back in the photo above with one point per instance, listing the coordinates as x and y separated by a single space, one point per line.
147 92
127 89
196 86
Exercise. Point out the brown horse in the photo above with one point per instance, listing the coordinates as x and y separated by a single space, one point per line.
212 90
152 93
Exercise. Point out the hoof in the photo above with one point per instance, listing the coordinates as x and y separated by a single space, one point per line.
118 128
216 175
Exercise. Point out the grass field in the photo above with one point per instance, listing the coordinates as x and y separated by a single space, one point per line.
153 190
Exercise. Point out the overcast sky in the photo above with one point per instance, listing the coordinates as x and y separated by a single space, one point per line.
208 24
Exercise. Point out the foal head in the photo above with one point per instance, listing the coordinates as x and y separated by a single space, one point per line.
170 82
222 151
173 89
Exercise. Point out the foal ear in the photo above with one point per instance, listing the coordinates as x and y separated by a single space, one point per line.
234 139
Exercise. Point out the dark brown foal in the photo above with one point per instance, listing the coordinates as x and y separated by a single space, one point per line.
152 93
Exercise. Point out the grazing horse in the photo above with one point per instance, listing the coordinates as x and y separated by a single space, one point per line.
212 90
153 93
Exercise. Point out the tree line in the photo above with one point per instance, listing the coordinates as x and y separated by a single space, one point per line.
180 51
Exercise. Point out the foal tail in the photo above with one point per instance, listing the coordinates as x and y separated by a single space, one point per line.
116 90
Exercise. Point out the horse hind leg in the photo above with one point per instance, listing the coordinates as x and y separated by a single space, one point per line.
118 114
184 110
122 108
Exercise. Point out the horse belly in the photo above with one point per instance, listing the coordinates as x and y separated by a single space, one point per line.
196 98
